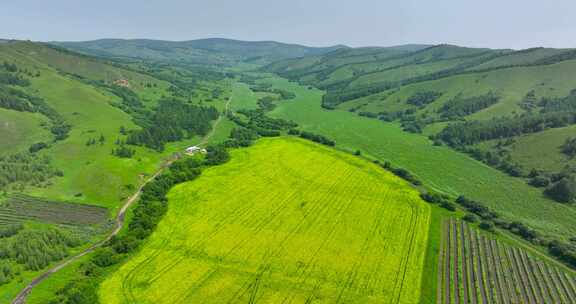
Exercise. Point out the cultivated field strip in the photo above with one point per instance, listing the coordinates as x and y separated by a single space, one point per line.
19 208
285 221
474 268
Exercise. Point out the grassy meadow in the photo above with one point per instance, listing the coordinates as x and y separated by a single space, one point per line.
91 173
527 150
19 130
440 168
287 221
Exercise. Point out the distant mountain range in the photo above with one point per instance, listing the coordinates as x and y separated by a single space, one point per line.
202 51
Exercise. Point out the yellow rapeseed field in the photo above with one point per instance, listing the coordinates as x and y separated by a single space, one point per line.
285 221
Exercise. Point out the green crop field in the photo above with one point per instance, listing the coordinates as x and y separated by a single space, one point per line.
476 268
284 221
21 208
439 167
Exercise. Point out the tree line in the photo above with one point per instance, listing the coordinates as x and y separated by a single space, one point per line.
472 132
423 98
149 210
459 106
259 122
321 139
267 88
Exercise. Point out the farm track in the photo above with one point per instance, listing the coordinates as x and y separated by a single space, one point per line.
119 222
498 273
408 256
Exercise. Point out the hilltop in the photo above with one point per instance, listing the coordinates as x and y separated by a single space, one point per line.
202 51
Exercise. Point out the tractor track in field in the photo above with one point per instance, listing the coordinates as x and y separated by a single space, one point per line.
119 221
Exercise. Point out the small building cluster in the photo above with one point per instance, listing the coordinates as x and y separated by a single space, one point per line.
122 83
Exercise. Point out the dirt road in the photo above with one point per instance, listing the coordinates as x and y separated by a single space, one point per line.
119 222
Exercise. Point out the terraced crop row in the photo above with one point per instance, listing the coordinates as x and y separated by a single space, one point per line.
18 208
476 269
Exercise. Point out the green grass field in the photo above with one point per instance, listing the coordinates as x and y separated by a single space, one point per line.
284 221
244 98
89 170
19 130
528 150
440 168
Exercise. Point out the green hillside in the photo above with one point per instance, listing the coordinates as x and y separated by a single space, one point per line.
529 91
89 113
80 130
362 61
19 130
479 134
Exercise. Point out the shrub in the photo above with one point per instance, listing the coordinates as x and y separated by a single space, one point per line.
488 226
563 191
471 218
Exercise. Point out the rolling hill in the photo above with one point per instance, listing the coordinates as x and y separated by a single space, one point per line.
430 89
203 51
415 138
64 122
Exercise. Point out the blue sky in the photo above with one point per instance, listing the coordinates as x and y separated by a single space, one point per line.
481 23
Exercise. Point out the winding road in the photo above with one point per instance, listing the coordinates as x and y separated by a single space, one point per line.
119 221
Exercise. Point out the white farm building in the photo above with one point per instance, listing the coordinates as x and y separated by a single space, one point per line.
195 149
